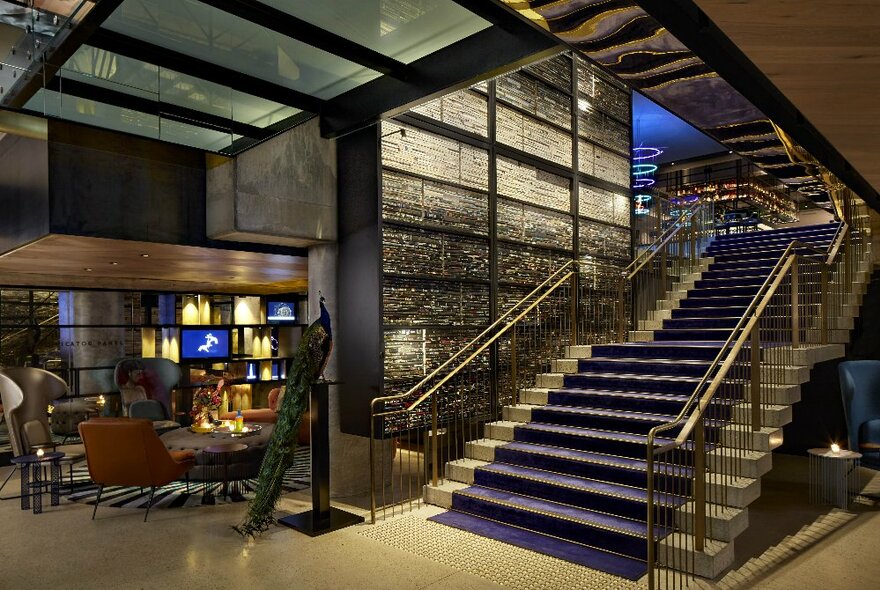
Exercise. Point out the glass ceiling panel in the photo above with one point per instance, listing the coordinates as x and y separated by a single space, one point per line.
202 31
403 29
91 112
131 76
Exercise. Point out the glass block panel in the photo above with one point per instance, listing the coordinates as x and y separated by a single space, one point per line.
521 222
404 353
414 200
599 239
556 70
413 302
532 136
435 156
527 265
603 205
604 164
602 92
463 109
526 183
425 253
535 97
603 130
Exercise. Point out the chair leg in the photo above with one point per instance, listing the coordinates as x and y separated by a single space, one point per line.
150 503
98 501
8 477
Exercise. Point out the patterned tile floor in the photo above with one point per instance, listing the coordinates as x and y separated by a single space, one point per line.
492 560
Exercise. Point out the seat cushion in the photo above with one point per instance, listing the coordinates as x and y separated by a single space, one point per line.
869 432
185 455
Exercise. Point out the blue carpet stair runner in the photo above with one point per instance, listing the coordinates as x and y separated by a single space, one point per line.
572 483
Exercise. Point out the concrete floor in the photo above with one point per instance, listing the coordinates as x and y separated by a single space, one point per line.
195 548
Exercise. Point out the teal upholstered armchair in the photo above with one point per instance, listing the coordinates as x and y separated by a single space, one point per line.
860 388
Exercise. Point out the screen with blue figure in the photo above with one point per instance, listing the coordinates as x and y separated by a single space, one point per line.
280 311
204 343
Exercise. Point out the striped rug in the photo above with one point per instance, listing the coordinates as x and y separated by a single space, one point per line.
175 494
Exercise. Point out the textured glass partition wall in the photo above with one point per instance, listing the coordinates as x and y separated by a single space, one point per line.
485 192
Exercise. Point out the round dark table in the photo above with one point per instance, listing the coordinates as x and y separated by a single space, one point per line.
218 458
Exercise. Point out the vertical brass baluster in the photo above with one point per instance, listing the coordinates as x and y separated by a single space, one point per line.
699 485
795 305
756 378
434 453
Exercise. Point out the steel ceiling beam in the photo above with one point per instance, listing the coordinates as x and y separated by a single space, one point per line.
199 68
151 107
295 28
486 54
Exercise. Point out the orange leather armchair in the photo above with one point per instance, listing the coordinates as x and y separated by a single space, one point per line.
128 452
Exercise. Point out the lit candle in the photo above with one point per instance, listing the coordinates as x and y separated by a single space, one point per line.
835 448
40 452
245 429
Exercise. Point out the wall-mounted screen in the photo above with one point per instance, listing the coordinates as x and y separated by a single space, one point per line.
281 311
204 343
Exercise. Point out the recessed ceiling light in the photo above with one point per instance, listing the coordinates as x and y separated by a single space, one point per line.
87 269
114 263
145 255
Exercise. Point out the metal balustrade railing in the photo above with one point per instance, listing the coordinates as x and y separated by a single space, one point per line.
585 301
699 461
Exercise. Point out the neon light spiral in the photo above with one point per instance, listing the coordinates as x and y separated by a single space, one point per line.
645 153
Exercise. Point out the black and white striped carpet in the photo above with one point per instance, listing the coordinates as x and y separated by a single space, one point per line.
175 495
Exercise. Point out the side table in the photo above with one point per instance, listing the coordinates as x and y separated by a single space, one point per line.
834 477
32 484
217 464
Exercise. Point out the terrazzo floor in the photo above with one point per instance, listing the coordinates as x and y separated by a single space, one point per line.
195 549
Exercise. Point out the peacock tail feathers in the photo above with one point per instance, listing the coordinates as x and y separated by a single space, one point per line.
308 364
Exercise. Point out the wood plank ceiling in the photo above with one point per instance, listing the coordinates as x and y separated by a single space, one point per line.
77 262
824 55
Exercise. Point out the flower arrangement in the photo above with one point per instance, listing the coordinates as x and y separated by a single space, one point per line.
206 400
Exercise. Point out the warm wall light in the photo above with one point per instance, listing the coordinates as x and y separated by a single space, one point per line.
835 448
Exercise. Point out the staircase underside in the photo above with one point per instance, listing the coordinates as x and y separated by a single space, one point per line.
565 474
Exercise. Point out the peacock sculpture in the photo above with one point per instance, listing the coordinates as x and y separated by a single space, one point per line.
307 366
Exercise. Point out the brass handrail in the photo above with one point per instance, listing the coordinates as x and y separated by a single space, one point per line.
747 316
485 345
661 241
412 390
729 354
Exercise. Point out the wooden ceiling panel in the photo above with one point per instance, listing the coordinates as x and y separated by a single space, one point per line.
824 55
81 262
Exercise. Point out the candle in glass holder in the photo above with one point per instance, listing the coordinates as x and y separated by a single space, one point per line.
835 448
40 452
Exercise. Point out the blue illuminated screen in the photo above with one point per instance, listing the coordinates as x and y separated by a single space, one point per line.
280 311
204 343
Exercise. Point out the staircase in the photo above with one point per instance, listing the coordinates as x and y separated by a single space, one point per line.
565 472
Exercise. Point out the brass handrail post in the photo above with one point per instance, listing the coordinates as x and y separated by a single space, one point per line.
756 378
434 454
699 485
823 307
621 310
372 468
574 307
513 368
795 305
652 557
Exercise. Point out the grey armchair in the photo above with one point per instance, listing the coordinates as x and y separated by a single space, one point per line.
26 393
152 410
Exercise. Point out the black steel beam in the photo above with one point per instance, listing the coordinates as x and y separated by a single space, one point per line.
152 107
245 143
486 54
692 26
192 66
296 28
45 66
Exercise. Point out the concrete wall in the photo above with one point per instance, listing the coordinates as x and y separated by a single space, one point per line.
282 191
24 190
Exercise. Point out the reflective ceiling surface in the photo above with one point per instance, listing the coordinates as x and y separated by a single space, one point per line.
217 75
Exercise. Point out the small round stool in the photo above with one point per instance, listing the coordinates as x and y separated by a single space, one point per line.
217 460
